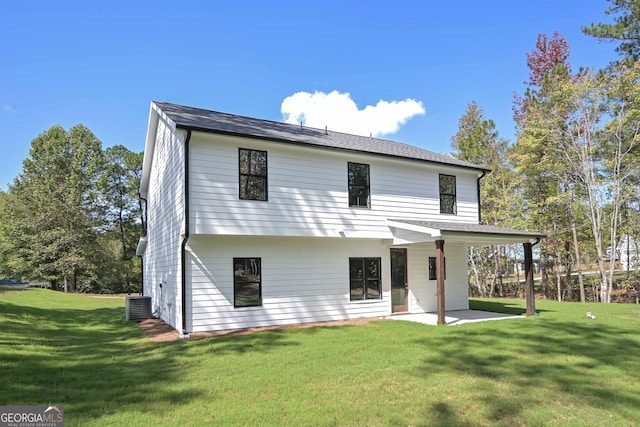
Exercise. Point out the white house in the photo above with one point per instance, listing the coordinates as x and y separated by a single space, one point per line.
628 252
255 223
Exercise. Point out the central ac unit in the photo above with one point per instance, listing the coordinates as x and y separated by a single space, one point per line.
138 308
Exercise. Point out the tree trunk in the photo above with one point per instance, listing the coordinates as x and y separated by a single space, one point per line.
476 275
518 275
576 251
73 281
567 270
556 270
498 272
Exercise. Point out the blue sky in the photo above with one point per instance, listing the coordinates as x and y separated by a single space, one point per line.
102 63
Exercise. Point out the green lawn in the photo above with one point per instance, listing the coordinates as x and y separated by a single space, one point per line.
558 368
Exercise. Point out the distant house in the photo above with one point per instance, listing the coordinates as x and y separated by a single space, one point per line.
255 223
12 283
627 252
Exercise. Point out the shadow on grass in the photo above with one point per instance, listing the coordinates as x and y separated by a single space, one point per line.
95 364
240 344
571 359
500 307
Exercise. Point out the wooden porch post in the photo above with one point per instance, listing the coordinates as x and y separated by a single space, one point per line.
440 281
528 274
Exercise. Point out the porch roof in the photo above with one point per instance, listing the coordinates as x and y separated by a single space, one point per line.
407 231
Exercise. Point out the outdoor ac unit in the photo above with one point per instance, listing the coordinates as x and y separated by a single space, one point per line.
138 308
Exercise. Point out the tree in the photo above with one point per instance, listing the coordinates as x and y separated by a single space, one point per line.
626 27
546 194
591 123
55 211
124 215
620 140
542 61
9 262
477 141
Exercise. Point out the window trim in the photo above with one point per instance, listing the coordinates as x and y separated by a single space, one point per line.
365 279
433 268
265 176
368 186
454 194
235 282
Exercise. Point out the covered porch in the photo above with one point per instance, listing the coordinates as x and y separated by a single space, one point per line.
408 232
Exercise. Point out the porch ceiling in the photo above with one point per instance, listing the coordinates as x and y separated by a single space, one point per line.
411 231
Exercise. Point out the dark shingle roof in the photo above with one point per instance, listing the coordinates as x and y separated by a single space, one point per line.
230 124
468 228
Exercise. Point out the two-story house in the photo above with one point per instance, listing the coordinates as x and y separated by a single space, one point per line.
256 223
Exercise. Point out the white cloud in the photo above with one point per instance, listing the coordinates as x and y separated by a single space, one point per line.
340 113
8 108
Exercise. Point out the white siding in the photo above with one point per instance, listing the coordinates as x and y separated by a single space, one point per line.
304 234
307 280
307 191
303 280
423 292
165 215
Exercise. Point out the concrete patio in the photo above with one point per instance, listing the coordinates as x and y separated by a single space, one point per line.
457 317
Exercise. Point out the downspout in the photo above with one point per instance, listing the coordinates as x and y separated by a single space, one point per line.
144 233
484 172
185 238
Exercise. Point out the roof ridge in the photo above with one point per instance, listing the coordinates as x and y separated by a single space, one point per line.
221 122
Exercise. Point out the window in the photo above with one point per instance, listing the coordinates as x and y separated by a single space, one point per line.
358 184
364 278
253 174
247 282
433 266
448 194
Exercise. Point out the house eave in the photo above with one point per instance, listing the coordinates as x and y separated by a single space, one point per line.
411 231
155 114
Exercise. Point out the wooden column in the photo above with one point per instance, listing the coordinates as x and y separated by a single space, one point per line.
440 281
528 282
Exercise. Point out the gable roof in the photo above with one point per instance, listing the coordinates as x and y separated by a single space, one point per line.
230 124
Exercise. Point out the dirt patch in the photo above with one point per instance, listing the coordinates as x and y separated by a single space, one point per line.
159 331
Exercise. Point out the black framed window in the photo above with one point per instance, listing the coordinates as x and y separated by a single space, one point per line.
358 185
447 194
433 266
364 279
247 282
253 174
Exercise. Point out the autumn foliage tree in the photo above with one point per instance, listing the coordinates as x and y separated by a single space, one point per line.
543 179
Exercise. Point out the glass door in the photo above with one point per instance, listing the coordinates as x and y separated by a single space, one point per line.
399 283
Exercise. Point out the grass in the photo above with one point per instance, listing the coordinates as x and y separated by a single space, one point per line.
558 368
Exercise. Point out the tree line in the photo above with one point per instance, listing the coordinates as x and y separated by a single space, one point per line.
573 171
72 217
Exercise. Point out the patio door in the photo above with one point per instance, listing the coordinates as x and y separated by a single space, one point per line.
399 283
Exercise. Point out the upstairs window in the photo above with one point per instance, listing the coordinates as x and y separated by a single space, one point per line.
364 279
247 282
447 194
358 185
253 174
